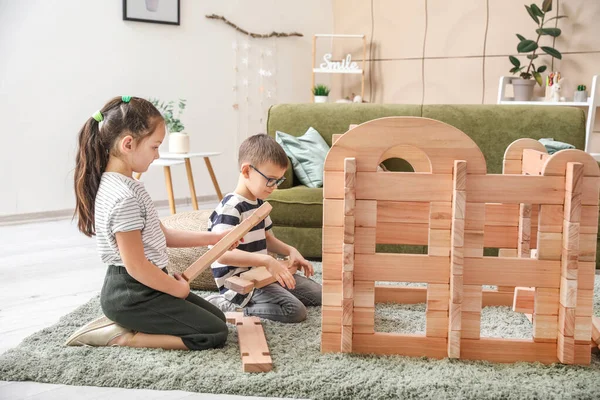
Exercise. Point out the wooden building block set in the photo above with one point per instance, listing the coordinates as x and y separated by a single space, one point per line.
541 214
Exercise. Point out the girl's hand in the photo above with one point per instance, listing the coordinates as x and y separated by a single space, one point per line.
221 235
301 263
183 287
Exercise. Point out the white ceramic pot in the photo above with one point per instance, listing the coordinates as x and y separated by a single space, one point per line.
523 89
321 99
179 142
580 95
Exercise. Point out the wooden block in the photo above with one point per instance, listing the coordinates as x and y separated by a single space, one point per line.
546 301
260 276
549 246
551 217
498 214
508 350
585 303
408 212
348 285
407 345
569 263
460 175
347 311
456 289
454 344
454 315
436 323
346 339
473 244
457 260
533 161
458 233
572 207
224 244
349 229
566 349
507 253
403 186
475 216
363 320
239 285
574 177
349 173
585 275
501 236
525 210
524 237
254 349
515 150
440 216
568 292
335 137
332 266
472 298
364 240
332 293
459 204
402 233
516 189
511 167
583 355
439 242
545 328
333 238
365 213
587 247
391 267
511 272
494 298
589 220
583 329
400 294
571 236
333 186
348 257
566 321
331 319
364 294
524 299
596 330
331 342
438 297
471 325
590 191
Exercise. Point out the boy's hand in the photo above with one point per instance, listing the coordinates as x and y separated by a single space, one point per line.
221 235
279 270
301 263
183 287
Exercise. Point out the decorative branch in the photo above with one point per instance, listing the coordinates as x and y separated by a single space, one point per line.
254 35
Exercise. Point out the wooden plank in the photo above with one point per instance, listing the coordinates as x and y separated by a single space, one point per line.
331 319
363 320
404 186
254 349
568 292
587 247
332 265
511 167
364 294
511 272
533 161
436 323
470 325
515 189
583 329
546 301
438 297
440 216
545 328
404 211
401 268
585 303
472 298
557 163
415 295
508 350
407 345
402 233
585 275
501 236
524 298
332 293
549 246
239 285
596 330
515 150
365 213
455 313
588 223
475 215
331 342
565 349
551 218
473 244
501 214
439 242
224 244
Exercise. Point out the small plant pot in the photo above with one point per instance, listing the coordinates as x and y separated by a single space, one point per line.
523 89
580 96
179 143
321 99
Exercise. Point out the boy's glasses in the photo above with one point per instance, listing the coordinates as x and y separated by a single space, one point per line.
270 181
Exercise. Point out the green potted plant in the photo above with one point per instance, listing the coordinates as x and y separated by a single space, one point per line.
179 141
523 87
581 94
321 92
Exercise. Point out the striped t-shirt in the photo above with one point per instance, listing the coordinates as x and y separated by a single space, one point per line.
122 205
232 210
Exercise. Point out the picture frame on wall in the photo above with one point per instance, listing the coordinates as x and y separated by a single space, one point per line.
155 11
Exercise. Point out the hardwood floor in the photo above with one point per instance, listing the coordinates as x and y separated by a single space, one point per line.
48 269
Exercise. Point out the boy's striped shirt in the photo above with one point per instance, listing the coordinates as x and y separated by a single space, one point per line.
232 210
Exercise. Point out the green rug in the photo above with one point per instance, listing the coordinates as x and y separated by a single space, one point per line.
300 369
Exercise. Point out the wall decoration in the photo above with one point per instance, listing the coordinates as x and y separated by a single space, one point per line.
156 11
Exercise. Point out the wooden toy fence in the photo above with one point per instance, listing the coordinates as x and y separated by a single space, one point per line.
541 202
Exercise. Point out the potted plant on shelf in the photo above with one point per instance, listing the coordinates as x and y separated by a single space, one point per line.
321 92
523 87
179 141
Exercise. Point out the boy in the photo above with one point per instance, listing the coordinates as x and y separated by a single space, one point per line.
262 164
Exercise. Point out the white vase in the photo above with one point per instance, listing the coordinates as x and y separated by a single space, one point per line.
580 96
152 5
179 142
320 99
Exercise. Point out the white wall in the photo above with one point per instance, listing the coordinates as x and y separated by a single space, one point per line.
60 60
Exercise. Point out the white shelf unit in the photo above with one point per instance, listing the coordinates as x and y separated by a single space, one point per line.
590 104
360 71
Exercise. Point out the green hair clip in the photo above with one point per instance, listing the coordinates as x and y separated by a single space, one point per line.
126 99
98 116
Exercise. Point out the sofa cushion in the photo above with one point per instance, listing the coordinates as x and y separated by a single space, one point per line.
307 153
297 206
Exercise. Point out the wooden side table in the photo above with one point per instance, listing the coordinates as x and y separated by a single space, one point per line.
167 160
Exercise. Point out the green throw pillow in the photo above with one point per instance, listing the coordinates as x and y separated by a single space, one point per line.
307 153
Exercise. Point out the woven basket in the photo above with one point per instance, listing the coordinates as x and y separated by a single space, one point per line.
181 258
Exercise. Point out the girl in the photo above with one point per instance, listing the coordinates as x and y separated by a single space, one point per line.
144 306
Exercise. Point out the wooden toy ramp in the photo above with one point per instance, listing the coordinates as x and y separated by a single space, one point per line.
541 214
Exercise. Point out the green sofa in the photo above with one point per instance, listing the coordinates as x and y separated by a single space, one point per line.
297 210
